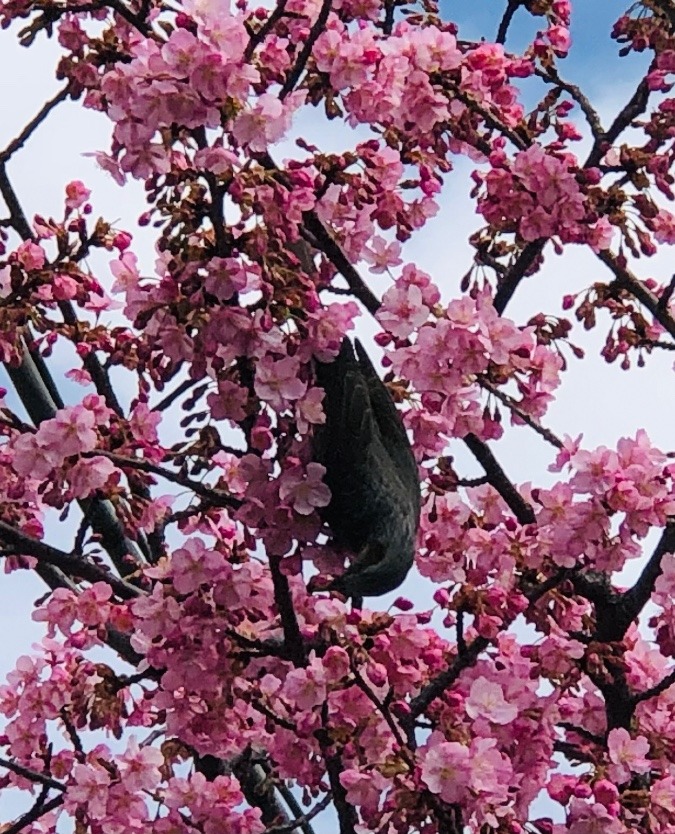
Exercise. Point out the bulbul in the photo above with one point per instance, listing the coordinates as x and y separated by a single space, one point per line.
371 472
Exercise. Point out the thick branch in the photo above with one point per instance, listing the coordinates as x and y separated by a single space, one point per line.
516 272
256 785
345 810
614 611
289 622
72 564
499 480
635 107
511 8
40 398
635 599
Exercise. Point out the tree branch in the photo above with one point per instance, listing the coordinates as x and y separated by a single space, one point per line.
633 108
516 272
289 622
72 564
39 395
214 496
592 115
635 599
626 280
655 691
499 480
38 810
513 406
324 242
17 143
33 775
317 27
345 810
435 688
511 8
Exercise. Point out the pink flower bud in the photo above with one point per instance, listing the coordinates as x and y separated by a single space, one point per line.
400 709
121 241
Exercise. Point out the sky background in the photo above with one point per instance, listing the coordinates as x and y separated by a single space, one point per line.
597 399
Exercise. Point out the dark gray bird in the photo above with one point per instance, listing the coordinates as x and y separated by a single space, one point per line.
371 472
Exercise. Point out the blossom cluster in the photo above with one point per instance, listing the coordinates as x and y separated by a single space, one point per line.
448 715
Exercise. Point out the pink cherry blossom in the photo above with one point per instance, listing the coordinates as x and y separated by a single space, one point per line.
264 124
627 755
305 688
30 255
445 770
77 194
91 784
486 700
305 491
277 381
140 766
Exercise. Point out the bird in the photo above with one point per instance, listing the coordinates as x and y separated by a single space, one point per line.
372 474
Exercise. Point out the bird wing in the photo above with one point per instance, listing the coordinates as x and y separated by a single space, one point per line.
371 473
391 430
343 445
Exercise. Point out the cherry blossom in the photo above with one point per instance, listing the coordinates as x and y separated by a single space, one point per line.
194 674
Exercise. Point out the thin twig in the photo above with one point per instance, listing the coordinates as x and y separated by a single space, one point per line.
173 395
656 690
33 775
259 36
324 241
215 496
17 143
592 115
115 5
38 810
513 406
490 119
626 280
435 688
302 819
